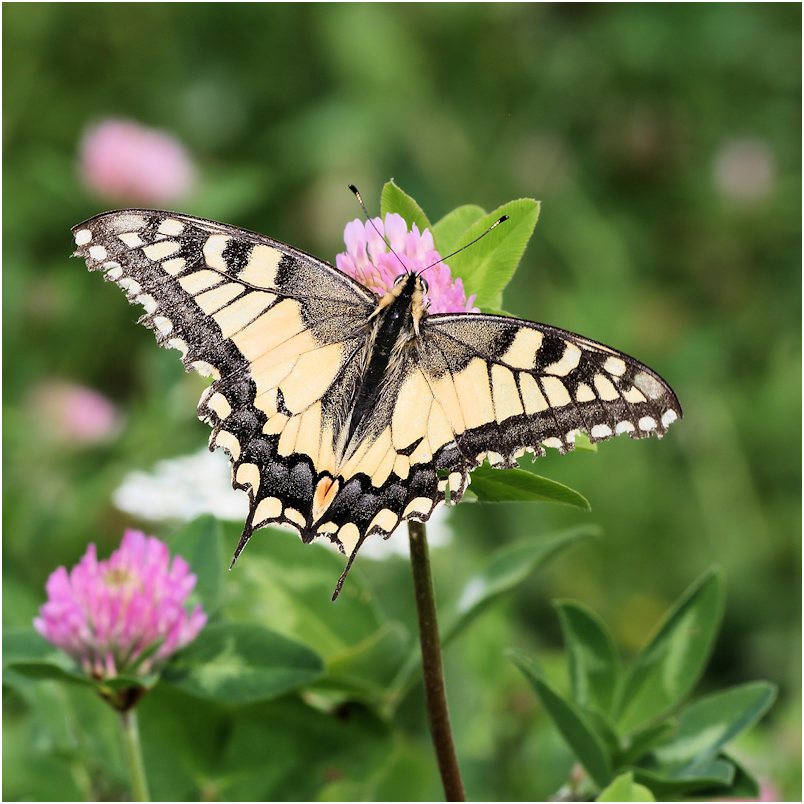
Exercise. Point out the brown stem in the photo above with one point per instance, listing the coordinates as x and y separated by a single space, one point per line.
432 668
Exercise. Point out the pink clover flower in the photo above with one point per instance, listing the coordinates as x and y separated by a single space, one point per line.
125 161
104 614
368 260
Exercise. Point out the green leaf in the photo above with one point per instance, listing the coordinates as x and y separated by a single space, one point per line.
447 231
743 785
583 443
371 664
585 744
665 671
507 569
395 200
707 725
517 485
48 671
640 742
27 654
623 788
199 543
25 644
488 265
593 662
238 663
716 773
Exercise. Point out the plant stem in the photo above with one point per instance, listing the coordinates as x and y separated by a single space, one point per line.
432 668
133 751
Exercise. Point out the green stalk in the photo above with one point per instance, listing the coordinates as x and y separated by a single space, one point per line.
133 753
432 668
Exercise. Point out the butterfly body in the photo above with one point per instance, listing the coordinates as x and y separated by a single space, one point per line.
344 412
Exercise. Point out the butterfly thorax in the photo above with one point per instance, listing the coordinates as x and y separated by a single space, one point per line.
395 329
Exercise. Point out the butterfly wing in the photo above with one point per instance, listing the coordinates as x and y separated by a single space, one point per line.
282 334
487 386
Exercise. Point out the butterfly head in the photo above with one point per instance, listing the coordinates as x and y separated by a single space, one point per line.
408 291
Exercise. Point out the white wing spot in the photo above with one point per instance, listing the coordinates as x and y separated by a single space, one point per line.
269 508
82 237
633 395
605 387
624 427
98 253
181 345
131 239
614 366
158 251
647 423
669 417
220 404
600 431
147 301
649 384
130 285
164 325
114 273
175 265
494 458
206 369
171 227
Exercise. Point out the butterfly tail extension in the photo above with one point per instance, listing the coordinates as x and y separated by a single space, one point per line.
339 585
248 532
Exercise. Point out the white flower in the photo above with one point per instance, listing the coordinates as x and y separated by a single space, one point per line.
182 489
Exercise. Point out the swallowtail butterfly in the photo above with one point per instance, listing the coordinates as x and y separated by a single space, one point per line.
343 412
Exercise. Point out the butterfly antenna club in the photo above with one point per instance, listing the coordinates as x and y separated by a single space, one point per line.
374 226
472 242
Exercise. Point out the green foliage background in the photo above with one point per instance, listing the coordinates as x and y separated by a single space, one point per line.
615 117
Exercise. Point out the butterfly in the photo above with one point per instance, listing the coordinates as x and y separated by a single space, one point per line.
345 412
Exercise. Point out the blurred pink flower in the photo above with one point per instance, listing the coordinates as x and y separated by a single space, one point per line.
124 161
72 412
368 260
745 170
104 614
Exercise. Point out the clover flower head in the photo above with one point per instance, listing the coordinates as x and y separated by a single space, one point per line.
105 614
125 161
368 260
68 412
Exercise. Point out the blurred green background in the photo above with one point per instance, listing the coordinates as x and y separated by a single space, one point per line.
664 142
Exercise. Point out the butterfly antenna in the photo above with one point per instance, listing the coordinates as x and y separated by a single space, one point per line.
365 212
457 251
